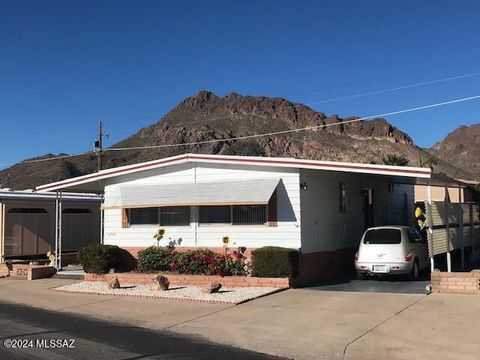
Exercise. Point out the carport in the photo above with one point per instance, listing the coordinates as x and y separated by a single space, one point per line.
449 225
32 224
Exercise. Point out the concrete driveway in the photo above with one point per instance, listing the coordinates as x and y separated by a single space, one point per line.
387 285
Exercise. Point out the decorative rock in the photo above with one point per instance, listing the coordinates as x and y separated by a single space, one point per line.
212 288
160 283
114 284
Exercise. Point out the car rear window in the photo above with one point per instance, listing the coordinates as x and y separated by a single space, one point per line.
383 237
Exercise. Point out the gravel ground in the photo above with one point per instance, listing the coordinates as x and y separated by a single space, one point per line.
225 295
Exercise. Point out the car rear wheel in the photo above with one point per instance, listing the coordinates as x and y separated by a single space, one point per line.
414 274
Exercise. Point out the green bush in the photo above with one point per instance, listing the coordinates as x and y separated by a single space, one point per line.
154 259
207 262
99 258
274 261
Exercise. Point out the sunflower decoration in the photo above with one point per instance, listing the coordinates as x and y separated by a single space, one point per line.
159 234
225 240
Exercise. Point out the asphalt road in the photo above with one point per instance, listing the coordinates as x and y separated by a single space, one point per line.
32 330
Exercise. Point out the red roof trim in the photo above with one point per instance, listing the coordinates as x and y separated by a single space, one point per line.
238 160
300 163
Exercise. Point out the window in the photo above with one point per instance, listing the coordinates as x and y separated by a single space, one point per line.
164 216
249 214
383 237
234 214
27 211
215 214
143 216
175 216
76 211
342 197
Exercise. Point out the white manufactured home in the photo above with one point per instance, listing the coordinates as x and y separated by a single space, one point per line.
318 207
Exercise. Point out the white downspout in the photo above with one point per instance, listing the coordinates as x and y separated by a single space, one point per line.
460 223
196 210
447 228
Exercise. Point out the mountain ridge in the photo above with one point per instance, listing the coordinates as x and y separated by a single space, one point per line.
199 119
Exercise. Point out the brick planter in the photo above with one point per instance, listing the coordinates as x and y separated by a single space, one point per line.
227 281
456 282
31 272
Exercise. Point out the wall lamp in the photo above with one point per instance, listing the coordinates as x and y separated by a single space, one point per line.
304 186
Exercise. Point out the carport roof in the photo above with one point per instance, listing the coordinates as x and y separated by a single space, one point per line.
95 182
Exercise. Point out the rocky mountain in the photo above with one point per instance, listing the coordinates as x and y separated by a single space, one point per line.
462 148
204 118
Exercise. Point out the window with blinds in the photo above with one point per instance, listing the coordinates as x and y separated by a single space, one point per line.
234 214
175 216
215 214
164 216
143 216
249 215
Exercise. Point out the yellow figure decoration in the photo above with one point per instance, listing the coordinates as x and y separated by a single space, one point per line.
420 218
51 256
418 212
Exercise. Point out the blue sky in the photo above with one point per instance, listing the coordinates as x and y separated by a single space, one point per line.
65 65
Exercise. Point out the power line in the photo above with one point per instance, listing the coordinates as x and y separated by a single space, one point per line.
403 87
407 86
323 89
300 129
263 134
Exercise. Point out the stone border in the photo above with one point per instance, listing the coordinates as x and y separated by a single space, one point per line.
456 282
273 291
181 279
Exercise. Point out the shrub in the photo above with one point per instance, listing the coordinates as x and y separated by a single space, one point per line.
99 258
274 261
126 261
154 259
206 262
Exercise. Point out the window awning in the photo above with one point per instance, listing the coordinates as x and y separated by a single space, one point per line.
248 192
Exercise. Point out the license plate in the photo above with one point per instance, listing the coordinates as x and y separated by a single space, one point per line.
380 268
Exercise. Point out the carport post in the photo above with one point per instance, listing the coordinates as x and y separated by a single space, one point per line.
447 228
430 226
60 214
58 230
102 218
460 223
474 257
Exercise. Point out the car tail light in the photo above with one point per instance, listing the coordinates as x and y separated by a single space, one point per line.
356 256
408 257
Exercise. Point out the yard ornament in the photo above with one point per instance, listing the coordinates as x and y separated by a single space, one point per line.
420 218
159 235
51 256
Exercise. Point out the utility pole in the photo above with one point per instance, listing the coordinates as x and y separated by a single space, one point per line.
99 145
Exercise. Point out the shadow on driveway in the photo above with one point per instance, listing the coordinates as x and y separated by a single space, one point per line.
391 285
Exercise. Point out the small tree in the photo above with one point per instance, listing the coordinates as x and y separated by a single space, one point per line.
395 160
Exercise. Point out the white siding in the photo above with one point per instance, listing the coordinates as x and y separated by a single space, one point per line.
286 234
325 228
